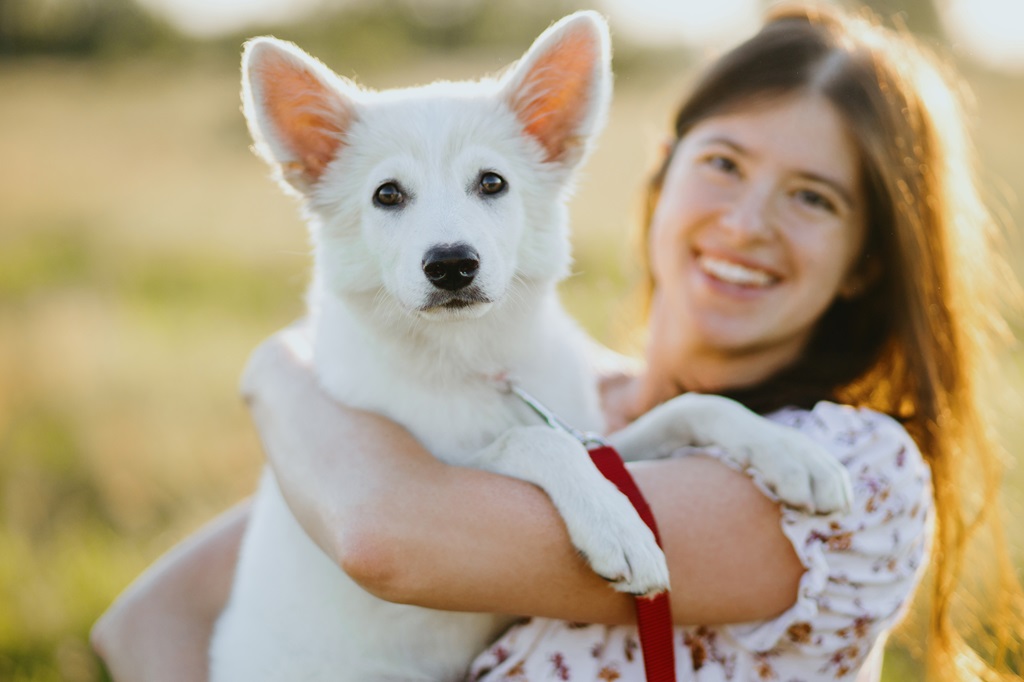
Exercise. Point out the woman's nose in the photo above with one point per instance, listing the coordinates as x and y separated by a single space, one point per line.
749 216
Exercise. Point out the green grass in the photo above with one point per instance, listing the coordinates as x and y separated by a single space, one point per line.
143 253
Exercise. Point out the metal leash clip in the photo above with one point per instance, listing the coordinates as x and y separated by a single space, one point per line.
589 439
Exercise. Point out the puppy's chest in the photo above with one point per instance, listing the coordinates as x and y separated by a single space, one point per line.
453 421
445 398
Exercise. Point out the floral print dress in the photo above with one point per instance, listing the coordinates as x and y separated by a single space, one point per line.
862 569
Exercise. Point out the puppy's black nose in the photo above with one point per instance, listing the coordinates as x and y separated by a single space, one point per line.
451 266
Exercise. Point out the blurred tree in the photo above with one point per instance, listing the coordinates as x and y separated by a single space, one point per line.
354 31
364 34
920 16
77 27
460 23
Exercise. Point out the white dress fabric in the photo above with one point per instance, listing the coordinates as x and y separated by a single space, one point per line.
862 569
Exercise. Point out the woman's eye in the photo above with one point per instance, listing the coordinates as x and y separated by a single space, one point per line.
722 163
492 183
388 195
816 200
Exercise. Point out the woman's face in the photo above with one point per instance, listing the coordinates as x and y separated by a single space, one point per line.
758 228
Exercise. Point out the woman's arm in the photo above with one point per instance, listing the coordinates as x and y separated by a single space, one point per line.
159 628
412 529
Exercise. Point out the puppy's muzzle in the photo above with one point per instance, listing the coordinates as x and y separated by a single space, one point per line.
451 266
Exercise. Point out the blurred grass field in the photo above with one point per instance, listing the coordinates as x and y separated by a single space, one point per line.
144 252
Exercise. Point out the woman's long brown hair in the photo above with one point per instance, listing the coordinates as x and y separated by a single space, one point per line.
915 342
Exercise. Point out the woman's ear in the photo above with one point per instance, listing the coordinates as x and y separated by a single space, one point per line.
668 144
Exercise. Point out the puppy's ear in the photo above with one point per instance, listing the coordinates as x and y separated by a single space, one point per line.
297 110
561 87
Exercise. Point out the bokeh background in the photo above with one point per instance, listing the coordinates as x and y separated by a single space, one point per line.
144 252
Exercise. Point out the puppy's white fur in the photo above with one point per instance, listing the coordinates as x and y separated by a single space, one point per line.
385 341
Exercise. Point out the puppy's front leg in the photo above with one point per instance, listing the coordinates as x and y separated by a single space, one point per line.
602 523
794 467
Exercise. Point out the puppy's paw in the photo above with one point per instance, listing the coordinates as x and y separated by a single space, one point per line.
620 547
602 523
802 474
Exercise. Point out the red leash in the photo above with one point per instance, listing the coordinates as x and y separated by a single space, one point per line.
653 614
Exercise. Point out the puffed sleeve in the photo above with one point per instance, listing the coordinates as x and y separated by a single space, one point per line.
862 566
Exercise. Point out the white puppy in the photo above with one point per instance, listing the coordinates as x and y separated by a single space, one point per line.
439 223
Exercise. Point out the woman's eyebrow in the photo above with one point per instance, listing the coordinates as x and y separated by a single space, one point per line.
726 141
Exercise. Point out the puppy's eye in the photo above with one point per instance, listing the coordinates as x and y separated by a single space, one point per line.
492 183
388 195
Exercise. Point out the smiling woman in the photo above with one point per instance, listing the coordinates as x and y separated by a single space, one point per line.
760 223
906 334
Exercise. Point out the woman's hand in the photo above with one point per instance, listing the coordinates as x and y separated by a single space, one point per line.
159 628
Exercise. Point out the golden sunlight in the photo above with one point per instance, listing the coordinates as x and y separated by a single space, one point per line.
988 31
692 22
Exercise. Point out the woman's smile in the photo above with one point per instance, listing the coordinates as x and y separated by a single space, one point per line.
734 272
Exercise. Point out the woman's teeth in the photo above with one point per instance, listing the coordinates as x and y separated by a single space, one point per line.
734 273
